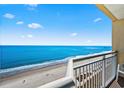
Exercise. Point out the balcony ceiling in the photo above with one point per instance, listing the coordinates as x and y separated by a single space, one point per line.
117 10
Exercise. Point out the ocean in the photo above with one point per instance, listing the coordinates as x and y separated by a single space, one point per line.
17 56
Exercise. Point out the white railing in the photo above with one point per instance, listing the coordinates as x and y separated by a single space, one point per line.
91 71
95 71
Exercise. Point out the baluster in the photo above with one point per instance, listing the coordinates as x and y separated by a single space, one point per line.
76 78
99 74
79 77
92 76
101 65
83 77
86 76
103 72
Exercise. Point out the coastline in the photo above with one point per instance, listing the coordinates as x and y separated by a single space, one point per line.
18 70
35 77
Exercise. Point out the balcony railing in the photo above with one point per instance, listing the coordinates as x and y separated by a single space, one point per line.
91 71
98 71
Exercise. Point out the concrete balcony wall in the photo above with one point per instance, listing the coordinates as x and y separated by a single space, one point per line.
118 39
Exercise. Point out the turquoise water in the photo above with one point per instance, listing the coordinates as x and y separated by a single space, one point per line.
15 56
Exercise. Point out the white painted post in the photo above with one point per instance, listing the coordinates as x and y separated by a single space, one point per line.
117 66
103 72
117 71
70 69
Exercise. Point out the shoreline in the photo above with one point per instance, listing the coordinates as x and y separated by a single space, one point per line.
17 70
36 77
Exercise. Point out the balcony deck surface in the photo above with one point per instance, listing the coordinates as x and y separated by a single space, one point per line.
121 81
118 84
115 85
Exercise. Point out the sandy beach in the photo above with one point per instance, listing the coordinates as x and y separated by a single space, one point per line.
34 78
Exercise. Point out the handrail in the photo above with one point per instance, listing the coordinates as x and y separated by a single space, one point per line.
88 63
93 55
82 65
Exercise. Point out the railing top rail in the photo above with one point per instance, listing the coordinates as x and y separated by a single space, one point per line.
88 63
93 56
83 65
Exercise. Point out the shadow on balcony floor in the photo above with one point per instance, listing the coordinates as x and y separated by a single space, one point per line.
121 81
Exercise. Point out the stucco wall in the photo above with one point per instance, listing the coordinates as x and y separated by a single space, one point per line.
118 39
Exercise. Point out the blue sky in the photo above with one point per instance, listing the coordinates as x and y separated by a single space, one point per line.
54 25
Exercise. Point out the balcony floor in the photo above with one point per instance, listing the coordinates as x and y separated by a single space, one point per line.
115 84
121 81
118 84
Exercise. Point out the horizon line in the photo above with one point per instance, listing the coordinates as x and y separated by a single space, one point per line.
55 45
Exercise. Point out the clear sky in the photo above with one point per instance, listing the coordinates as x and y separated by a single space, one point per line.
54 25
